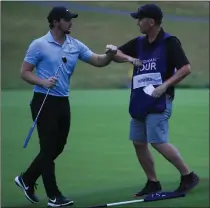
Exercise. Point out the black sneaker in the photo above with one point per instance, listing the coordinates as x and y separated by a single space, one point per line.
28 190
59 201
150 187
187 183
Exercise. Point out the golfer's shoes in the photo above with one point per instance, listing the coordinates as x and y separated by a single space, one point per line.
59 201
187 183
27 189
150 188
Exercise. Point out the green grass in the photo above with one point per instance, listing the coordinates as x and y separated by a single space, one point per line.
191 9
99 163
97 30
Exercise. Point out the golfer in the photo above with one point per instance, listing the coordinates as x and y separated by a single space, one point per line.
45 54
164 65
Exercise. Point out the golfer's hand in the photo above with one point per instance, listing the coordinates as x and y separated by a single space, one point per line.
111 50
50 82
159 91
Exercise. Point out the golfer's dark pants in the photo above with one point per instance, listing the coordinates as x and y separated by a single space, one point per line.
53 127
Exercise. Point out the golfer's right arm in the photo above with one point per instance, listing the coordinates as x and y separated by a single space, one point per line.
27 74
30 61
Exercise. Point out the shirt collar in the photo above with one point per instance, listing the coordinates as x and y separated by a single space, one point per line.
159 36
52 40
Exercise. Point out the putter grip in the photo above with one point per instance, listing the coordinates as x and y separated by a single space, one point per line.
99 206
29 135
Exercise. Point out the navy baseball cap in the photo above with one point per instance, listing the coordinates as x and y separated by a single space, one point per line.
60 12
150 11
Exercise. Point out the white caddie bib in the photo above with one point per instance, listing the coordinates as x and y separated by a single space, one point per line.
144 80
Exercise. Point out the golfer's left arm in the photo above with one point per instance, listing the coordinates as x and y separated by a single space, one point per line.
97 60
100 60
181 63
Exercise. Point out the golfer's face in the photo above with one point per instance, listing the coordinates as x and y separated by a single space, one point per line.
65 25
144 25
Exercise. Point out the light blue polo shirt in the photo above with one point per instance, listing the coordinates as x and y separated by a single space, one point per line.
46 55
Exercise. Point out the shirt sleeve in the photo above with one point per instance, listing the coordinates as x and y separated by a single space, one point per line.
85 53
130 48
33 54
177 54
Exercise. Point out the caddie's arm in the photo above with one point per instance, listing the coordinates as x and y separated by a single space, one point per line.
178 76
120 57
180 62
128 53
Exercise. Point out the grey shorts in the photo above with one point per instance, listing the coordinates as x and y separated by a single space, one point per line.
154 129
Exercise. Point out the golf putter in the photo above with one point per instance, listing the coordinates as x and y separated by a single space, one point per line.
64 60
149 198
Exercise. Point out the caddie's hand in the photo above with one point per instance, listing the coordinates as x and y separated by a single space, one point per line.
111 50
135 62
50 82
159 91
